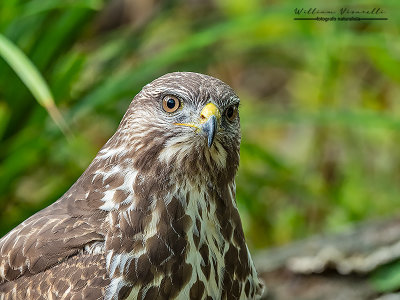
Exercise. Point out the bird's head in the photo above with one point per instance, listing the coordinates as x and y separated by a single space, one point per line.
184 120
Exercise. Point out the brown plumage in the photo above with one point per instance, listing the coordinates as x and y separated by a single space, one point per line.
154 215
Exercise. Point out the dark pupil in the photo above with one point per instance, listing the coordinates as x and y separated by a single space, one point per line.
229 113
171 103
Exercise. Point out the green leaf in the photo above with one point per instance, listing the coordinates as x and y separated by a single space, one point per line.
32 79
387 278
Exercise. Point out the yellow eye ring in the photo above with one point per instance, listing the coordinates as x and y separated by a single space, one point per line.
170 103
231 112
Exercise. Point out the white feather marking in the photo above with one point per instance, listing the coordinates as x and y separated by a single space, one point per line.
115 286
176 147
127 186
123 261
151 228
219 155
95 248
108 201
96 175
119 261
109 152
129 180
2 273
66 293
108 258
115 170
232 192
115 261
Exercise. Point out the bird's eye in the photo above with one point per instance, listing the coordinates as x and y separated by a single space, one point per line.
231 112
170 103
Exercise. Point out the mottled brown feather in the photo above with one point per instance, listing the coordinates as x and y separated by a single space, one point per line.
153 216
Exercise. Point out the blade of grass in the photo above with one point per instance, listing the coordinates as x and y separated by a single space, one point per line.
32 79
40 6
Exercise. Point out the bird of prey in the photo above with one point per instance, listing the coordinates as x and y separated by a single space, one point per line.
154 216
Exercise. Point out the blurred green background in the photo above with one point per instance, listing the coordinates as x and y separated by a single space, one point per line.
320 101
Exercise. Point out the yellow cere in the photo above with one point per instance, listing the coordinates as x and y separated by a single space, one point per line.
209 110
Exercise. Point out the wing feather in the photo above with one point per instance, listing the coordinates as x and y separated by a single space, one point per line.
49 237
82 276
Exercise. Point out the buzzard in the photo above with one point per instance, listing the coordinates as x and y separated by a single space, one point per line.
154 216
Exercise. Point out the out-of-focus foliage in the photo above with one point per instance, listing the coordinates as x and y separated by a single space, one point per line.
387 278
320 101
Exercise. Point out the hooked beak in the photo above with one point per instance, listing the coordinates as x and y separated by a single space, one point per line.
208 122
210 128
